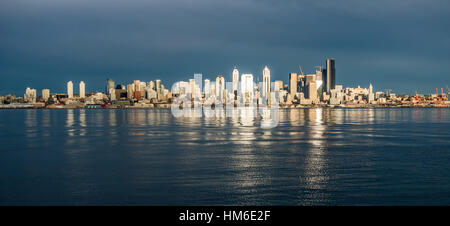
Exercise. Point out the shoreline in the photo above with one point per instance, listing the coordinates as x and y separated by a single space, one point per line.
168 106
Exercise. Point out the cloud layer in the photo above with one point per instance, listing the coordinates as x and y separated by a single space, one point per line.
403 45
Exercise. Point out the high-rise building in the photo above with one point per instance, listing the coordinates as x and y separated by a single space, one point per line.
70 89
312 91
278 85
82 90
330 76
152 85
130 91
159 89
112 95
319 82
150 93
247 88
213 88
30 95
194 89
235 82
207 89
109 85
45 94
266 84
220 87
293 84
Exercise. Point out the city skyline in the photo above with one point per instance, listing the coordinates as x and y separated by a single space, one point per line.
237 80
314 90
161 40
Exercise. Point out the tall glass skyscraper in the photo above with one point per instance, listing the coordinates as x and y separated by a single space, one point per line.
109 85
330 76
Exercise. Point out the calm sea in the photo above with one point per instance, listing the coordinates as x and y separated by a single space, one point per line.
148 157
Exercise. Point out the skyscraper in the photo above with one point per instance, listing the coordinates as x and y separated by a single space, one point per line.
330 76
312 91
207 89
278 85
130 91
247 88
159 89
220 87
109 86
30 95
266 84
194 89
82 90
45 94
293 84
235 82
70 89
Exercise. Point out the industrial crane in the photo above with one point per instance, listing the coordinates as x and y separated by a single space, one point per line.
301 70
437 94
442 94
417 98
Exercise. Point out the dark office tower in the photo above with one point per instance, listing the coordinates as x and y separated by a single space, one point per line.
109 85
329 76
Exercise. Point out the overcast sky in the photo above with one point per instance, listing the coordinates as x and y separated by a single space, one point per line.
402 45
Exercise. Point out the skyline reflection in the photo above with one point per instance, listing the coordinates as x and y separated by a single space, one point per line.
147 156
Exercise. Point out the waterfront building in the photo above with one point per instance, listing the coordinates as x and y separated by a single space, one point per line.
159 89
112 94
30 95
207 88
194 89
220 88
247 88
330 76
293 84
151 93
109 86
137 95
120 93
70 89
82 90
310 88
130 91
312 91
278 85
213 88
235 82
151 85
266 84
45 94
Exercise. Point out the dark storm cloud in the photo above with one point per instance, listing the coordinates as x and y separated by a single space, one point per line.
403 45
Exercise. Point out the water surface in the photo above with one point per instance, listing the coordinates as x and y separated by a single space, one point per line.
148 157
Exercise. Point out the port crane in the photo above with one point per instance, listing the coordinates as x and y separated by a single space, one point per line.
417 98
437 94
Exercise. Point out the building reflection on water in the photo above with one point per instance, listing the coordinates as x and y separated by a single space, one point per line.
160 157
